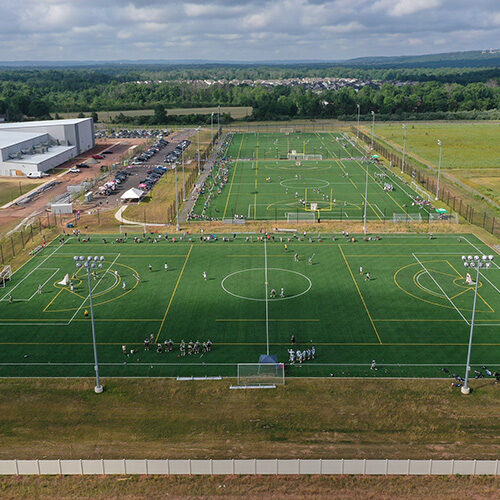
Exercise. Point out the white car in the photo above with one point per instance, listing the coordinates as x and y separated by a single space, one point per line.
75 170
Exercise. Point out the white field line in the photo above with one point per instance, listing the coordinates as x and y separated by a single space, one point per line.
93 289
267 298
378 208
33 270
439 286
55 269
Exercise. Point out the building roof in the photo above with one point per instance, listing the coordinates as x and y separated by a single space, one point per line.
43 123
41 157
9 138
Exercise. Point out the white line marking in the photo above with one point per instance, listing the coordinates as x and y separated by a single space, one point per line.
33 270
439 286
267 299
93 289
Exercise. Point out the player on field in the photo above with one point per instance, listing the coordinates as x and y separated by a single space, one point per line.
182 348
150 267
360 269
373 365
124 285
296 257
39 289
313 352
282 293
273 293
205 275
367 277
166 266
124 349
146 344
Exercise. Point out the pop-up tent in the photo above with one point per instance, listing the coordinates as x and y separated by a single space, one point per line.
133 194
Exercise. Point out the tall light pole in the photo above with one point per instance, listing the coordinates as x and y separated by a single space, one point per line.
359 111
91 263
183 179
373 126
474 262
440 144
218 118
212 126
177 200
199 128
404 149
366 197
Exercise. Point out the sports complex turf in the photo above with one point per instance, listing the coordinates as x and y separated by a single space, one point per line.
264 183
412 316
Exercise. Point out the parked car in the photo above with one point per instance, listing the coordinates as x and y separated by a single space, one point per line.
107 152
74 170
98 157
82 165
36 175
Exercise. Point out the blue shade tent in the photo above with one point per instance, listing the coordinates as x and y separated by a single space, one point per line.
268 358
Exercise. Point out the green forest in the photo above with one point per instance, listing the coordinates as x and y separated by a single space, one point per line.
395 93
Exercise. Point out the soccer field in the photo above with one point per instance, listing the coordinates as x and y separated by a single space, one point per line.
304 176
412 316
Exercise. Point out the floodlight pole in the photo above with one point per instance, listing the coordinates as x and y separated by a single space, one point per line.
404 149
199 150
177 199
373 126
98 387
440 144
183 179
366 198
88 265
357 131
218 118
212 126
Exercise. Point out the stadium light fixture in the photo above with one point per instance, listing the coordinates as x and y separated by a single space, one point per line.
90 264
177 200
440 144
476 262
366 198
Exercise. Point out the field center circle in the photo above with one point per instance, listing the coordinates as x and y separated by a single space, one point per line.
316 183
298 281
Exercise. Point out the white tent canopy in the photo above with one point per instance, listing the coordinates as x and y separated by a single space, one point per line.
133 194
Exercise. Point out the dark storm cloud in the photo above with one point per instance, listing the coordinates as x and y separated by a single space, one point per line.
242 29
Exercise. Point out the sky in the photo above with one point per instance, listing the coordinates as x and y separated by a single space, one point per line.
242 30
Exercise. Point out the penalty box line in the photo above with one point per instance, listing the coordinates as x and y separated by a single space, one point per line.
441 289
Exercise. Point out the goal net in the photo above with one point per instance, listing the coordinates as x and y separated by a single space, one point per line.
406 217
303 156
286 130
133 228
301 216
261 374
5 275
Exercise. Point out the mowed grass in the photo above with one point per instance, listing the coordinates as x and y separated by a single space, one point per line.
249 487
412 316
304 419
237 112
12 187
466 145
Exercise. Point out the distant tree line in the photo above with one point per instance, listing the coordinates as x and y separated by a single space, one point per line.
39 93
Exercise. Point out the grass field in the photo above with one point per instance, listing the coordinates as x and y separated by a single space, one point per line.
412 316
237 112
466 145
11 188
262 183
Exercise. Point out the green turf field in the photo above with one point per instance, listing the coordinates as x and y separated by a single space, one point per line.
260 181
412 316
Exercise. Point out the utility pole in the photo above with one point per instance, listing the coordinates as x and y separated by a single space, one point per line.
404 148
440 144
357 131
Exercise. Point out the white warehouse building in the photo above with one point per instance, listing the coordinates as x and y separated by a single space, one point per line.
28 147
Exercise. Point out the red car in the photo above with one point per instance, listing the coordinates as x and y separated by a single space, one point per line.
98 157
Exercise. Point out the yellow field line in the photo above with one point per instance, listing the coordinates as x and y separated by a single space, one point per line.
234 174
440 320
360 295
173 293
57 295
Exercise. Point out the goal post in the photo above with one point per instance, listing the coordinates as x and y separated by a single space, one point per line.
406 217
5 275
303 156
261 374
132 228
286 130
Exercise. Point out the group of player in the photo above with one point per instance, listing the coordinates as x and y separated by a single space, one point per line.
301 356
194 347
149 342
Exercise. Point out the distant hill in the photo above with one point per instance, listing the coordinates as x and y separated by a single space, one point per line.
472 58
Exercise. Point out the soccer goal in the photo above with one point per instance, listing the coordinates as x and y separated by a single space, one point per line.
257 375
132 228
5 275
286 130
303 156
406 217
301 217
